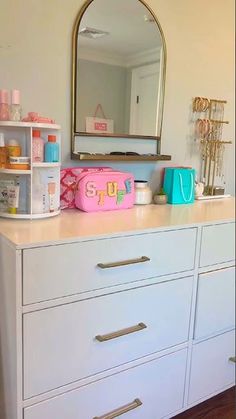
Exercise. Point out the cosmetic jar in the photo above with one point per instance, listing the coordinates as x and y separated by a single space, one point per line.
143 193
13 148
19 163
160 199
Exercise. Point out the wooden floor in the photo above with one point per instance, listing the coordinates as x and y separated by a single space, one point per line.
222 406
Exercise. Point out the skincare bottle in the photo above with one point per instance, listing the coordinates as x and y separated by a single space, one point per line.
4 107
51 194
3 152
13 198
15 109
37 147
38 194
51 150
4 183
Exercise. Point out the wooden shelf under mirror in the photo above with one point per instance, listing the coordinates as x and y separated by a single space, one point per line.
122 136
110 157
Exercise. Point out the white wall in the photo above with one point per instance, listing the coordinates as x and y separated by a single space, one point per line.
35 56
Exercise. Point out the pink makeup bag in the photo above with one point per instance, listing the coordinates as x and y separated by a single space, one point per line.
104 190
69 177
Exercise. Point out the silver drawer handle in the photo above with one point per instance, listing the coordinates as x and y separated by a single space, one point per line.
232 359
127 331
121 410
123 262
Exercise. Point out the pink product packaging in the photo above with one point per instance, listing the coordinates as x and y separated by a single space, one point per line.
35 117
102 191
69 178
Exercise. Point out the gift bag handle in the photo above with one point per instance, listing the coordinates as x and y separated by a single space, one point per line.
182 188
99 107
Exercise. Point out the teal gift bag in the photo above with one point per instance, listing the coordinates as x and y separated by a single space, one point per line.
179 185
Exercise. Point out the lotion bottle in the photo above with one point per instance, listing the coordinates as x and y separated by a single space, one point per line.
51 150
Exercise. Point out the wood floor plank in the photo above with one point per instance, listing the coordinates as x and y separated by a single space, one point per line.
222 406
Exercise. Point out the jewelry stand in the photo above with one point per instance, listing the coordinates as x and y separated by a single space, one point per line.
208 132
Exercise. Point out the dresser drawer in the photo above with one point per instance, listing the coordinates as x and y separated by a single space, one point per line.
158 385
218 244
212 370
57 271
215 302
70 342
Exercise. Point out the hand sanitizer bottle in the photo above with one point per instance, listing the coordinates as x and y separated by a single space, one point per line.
15 109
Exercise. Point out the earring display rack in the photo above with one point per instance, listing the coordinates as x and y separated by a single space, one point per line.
209 122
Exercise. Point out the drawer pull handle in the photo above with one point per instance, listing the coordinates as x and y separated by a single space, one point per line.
123 263
127 331
232 359
121 410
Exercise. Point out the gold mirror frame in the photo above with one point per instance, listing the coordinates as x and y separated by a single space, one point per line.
74 84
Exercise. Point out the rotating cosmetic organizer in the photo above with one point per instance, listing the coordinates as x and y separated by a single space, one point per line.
39 183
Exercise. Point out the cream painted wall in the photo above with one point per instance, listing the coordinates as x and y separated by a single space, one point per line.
35 56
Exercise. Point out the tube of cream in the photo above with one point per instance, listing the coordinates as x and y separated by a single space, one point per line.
13 198
51 193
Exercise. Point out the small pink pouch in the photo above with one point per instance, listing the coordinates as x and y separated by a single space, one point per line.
69 177
102 191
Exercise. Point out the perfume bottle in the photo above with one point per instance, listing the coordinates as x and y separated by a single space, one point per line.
4 107
15 109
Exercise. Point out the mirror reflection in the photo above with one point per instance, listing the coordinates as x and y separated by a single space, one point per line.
119 70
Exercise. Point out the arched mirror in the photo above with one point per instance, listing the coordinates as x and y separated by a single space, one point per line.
118 71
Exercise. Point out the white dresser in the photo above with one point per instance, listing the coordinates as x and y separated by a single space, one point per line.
121 313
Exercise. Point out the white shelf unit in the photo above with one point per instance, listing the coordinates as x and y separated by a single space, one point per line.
45 164
15 172
22 132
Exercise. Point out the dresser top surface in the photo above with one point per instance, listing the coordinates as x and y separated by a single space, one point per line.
73 225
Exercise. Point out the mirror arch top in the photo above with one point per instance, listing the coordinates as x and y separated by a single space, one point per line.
118 62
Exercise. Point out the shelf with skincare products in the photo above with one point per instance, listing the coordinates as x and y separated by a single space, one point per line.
29 185
32 125
15 172
45 164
